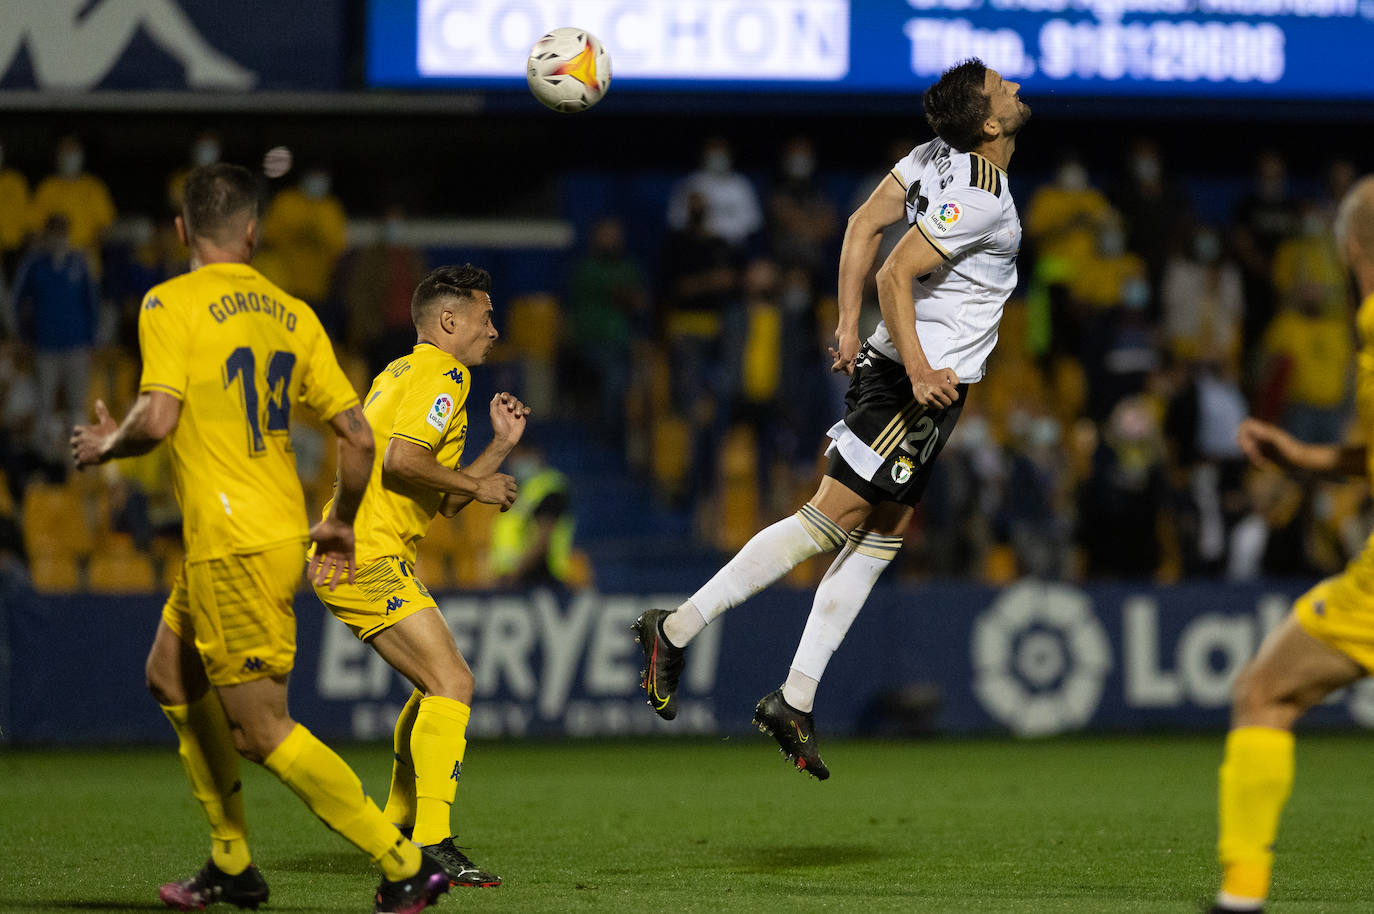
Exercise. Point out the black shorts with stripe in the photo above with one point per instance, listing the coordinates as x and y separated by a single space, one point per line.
888 444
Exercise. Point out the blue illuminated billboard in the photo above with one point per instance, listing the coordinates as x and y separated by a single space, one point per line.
1255 49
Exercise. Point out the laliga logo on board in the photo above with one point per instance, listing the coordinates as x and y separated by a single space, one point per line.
1040 658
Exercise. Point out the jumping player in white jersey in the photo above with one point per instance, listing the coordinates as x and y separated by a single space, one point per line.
909 381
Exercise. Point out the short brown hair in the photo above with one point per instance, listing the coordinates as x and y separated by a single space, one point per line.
447 282
215 195
956 106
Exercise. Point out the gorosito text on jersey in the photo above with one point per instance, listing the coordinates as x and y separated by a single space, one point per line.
252 303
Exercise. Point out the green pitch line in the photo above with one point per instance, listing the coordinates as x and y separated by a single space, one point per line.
1086 825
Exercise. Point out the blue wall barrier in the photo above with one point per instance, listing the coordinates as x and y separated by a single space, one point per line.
1032 659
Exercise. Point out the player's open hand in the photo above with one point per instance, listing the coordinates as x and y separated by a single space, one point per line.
333 561
89 441
1266 445
844 352
935 387
508 417
497 489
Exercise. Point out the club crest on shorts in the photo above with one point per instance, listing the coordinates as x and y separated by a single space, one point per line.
902 470
440 411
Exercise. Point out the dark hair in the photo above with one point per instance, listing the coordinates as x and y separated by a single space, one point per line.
956 106
447 282
214 195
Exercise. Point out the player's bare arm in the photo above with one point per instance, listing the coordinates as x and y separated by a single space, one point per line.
1267 445
913 256
333 561
153 417
862 236
508 420
417 465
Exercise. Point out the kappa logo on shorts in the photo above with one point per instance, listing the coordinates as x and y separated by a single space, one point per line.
394 604
440 411
902 470
253 665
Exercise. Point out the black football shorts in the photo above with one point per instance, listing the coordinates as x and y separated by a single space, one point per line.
887 444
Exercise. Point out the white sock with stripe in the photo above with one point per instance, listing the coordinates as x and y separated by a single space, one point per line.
773 552
840 596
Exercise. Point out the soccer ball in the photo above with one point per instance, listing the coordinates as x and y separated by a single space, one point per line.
569 70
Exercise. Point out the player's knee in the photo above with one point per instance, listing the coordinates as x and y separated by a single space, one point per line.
1253 700
456 682
165 688
257 740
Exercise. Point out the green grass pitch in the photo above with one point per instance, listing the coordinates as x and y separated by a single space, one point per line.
1091 825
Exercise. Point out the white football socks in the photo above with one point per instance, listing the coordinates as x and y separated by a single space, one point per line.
772 552
839 597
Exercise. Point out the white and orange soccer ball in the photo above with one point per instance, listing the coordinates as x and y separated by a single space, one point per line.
569 70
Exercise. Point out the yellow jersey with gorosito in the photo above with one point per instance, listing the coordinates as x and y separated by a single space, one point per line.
421 398
238 352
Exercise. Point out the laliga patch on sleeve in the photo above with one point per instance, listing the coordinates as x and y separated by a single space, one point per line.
440 411
943 218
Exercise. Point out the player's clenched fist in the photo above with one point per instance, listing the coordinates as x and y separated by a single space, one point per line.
935 386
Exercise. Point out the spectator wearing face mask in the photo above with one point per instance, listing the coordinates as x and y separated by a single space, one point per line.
79 197
57 310
1203 301
1065 215
1307 266
802 222
1153 207
1264 217
205 150
731 201
304 232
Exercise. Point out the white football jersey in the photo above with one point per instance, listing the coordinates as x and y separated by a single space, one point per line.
961 203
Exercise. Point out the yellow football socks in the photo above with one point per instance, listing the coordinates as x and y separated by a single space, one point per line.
400 801
1256 777
437 742
212 766
334 793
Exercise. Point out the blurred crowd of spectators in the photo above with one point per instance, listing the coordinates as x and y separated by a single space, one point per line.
1101 444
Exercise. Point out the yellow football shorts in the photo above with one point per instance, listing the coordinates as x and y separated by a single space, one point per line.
383 592
1339 611
237 611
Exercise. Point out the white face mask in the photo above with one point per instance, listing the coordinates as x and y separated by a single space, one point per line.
1073 177
1135 294
717 161
1207 248
799 166
1313 225
1112 242
206 152
1145 169
315 185
69 164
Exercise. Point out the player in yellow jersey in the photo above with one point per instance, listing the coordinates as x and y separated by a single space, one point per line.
1327 642
417 408
226 355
